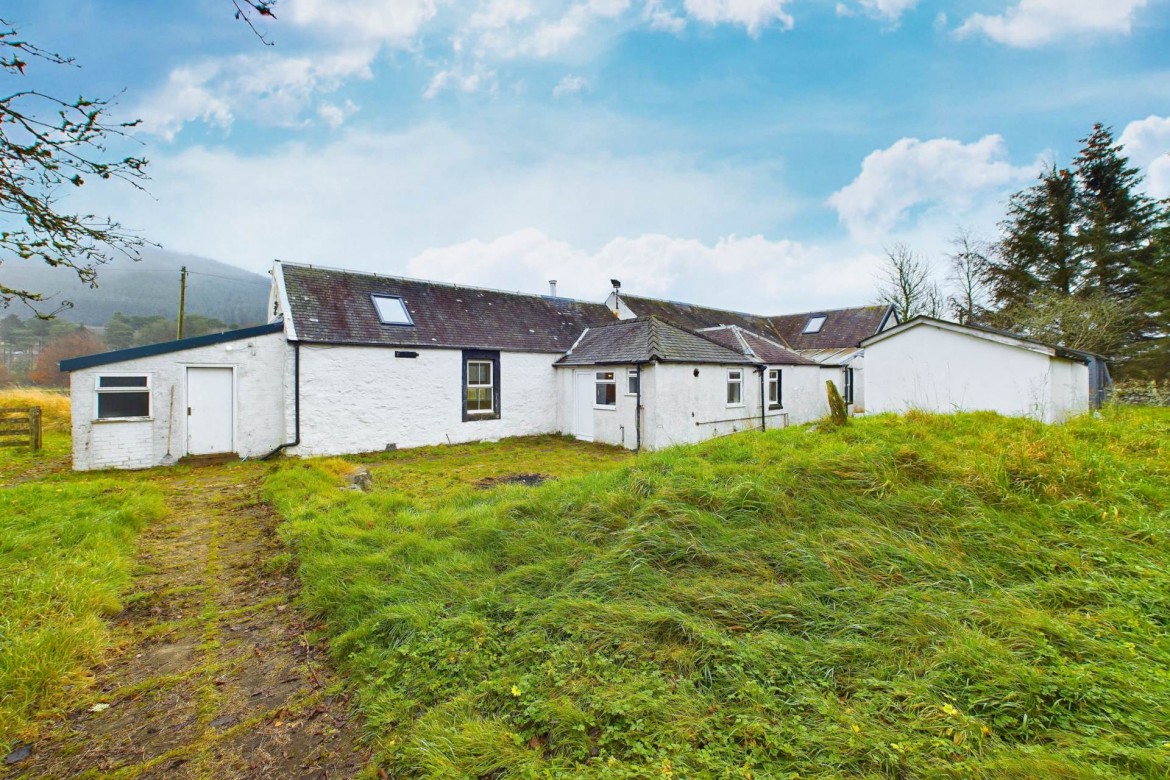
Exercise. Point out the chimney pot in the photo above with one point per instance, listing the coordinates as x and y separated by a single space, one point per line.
552 287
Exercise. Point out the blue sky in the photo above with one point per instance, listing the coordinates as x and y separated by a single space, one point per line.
755 154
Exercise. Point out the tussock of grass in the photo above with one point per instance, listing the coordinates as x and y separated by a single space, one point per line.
66 551
963 596
54 405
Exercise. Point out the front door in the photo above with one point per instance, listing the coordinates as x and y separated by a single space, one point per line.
584 393
209 411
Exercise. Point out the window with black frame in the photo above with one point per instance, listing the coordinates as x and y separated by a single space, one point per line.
123 397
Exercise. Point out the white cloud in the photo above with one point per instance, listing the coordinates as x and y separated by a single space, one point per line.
335 116
753 15
455 78
267 88
373 200
395 22
1147 144
914 175
662 19
569 85
1032 23
745 273
885 9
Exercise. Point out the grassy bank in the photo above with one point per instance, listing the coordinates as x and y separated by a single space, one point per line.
66 550
962 596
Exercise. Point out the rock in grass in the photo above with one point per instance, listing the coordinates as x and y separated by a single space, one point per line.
18 755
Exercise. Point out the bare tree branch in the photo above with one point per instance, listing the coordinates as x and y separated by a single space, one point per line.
245 9
907 285
969 261
48 145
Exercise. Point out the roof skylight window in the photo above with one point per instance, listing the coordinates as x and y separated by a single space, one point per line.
391 310
815 324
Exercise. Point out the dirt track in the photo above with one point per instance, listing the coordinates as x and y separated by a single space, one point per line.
218 676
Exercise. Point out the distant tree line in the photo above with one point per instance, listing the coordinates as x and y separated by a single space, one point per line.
31 349
1082 260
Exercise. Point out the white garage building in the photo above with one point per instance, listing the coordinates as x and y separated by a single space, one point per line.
939 366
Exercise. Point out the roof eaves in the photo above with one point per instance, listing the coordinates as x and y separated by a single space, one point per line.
166 347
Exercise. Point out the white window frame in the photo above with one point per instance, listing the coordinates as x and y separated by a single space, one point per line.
815 324
632 380
734 377
776 379
100 391
598 381
491 386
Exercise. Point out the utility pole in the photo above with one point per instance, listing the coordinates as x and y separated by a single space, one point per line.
182 298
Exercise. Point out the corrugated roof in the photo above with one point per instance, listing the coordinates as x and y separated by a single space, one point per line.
843 327
764 350
643 340
690 317
332 306
166 347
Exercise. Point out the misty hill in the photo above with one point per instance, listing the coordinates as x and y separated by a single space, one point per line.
149 287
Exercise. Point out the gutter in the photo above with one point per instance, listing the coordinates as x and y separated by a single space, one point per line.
763 401
296 404
638 411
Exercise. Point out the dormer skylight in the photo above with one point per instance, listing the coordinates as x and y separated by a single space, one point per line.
815 323
391 310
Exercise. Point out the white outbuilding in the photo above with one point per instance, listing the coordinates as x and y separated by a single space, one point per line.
937 366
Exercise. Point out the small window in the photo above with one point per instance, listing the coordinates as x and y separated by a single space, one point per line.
735 388
391 310
775 389
632 381
815 324
123 397
848 385
606 389
480 387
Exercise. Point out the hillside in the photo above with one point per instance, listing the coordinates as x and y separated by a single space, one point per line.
150 287
963 596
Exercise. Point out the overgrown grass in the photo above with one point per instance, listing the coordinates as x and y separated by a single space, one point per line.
964 596
66 551
54 405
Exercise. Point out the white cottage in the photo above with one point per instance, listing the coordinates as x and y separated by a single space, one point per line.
356 362
939 366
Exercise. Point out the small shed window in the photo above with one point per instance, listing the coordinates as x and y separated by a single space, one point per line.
848 385
631 381
480 386
123 397
606 389
815 324
735 387
391 310
775 389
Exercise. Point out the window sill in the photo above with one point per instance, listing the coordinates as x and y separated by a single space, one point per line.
736 406
104 420
775 407
605 408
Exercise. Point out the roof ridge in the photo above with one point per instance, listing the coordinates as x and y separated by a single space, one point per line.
417 280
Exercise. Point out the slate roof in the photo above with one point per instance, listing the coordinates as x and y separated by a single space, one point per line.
690 317
842 328
644 339
764 350
330 306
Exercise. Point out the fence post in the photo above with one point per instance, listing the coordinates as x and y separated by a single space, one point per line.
34 428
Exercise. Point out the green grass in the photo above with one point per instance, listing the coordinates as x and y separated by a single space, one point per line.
964 596
66 553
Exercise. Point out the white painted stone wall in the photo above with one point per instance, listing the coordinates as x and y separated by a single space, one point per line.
938 370
258 364
361 399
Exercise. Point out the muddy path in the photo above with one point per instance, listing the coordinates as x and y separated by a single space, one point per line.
218 675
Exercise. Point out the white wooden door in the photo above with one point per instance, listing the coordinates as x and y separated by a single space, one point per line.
209 411
583 397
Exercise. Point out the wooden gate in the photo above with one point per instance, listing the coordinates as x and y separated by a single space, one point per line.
21 427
